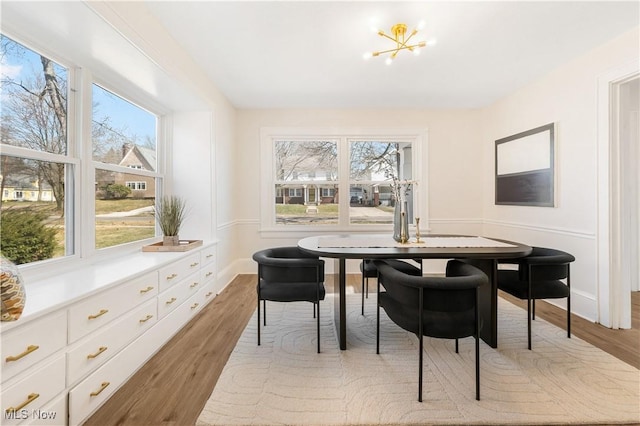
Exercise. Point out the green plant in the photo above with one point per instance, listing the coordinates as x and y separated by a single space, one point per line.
25 236
170 212
115 191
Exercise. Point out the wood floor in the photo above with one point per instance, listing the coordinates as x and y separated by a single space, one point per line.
172 388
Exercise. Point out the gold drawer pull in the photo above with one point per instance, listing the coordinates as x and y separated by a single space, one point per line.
195 305
193 285
99 314
209 255
172 276
146 290
27 351
209 294
103 386
100 350
170 301
194 264
32 397
208 274
147 318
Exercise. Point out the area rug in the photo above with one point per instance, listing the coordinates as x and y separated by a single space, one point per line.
284 381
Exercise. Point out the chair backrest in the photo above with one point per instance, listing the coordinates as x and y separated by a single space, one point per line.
546 264
289 264
456 292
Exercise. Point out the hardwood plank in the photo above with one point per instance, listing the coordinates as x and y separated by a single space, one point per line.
172 388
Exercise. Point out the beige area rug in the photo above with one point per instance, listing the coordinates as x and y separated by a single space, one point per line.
284 381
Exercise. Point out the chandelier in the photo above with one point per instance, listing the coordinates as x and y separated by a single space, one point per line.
399 37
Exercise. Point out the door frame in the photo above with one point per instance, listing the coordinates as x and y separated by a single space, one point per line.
614 294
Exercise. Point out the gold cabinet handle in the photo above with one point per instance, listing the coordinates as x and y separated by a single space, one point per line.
32 397
100 350
27 351
147 318
103 386
194 284
194 264
208 274
209 294
195 305
99 314
170 301
172 276
146 290
209 255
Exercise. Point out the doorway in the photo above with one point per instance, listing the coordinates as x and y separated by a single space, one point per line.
618 195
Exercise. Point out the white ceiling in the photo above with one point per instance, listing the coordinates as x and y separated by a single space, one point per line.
283 54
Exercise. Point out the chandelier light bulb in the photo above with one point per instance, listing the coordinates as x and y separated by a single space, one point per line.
367 55
388 61
432 42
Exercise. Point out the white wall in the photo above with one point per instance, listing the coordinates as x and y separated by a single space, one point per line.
568 97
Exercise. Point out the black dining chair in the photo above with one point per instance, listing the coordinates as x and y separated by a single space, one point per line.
288 274
539 275
441 307
368 270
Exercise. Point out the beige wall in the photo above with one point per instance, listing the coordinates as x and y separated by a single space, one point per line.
568 97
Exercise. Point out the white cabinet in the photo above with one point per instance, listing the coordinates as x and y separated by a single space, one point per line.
60 366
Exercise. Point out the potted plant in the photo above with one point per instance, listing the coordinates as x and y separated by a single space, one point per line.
170 212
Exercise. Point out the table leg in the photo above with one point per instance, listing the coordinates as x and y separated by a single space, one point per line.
488 301
339 300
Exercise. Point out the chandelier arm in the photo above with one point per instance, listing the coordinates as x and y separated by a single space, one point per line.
395 49
382 34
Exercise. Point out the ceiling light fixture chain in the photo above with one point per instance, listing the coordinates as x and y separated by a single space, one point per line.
399 32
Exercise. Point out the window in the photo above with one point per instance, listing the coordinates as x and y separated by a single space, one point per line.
40 164
37 166
308 173
124 154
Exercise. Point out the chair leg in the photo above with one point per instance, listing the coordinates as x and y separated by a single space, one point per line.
264 312
378 319
318 323
457 346
477 368
569 303
314 310
529 323
420 370
533 309
258 322
363 290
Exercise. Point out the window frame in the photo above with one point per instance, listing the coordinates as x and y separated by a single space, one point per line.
268 135
80 175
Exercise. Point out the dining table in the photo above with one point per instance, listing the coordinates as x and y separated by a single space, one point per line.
480 251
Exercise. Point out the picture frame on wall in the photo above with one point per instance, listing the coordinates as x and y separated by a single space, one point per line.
525 168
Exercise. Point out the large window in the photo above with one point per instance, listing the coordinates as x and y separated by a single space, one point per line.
44 158
340 181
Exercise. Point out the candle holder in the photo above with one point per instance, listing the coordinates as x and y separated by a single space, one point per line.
418 230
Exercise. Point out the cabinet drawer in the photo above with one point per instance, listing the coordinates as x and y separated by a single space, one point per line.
207 255
177 271
53 414
33 392
26 345
89 315
95 350
208 272
177 294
